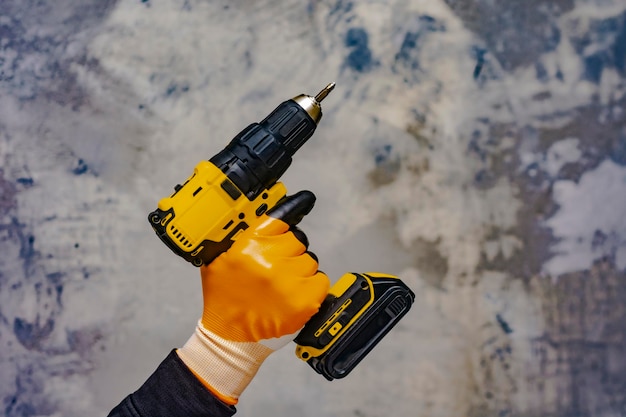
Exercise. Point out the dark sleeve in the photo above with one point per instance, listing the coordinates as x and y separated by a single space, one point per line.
172 391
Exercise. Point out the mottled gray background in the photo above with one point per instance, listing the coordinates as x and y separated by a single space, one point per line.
477 148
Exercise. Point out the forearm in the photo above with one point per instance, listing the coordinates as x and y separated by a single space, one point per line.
172 391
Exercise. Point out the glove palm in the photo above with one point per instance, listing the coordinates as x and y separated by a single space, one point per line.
257 295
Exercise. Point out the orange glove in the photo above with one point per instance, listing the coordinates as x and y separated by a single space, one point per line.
257 296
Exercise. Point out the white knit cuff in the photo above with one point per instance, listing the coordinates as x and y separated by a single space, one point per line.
226 366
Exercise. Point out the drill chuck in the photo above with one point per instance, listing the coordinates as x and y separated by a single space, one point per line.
311 105
259 155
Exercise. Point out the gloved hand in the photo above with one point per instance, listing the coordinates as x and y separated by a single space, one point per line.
257 296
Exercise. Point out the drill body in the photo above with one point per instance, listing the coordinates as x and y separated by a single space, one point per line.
229 192
225 194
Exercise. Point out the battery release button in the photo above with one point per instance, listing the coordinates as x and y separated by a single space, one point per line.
335 329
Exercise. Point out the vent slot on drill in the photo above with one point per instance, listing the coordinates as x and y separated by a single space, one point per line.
180 237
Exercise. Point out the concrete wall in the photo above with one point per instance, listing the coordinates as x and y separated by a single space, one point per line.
475 148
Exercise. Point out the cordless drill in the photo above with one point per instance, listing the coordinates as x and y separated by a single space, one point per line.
230 191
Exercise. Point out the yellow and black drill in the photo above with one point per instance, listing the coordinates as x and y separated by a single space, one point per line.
230 191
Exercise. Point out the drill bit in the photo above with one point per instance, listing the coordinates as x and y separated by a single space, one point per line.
322 94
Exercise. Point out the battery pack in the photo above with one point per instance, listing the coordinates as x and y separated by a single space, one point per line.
360 309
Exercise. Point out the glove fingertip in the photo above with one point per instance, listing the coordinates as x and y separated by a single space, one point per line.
324 283
301 236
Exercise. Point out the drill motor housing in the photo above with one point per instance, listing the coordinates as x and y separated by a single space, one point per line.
224 195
